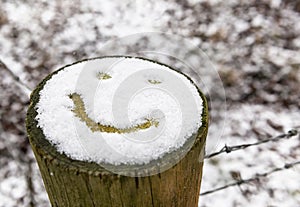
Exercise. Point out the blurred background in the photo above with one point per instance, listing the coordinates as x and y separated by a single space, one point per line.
254 45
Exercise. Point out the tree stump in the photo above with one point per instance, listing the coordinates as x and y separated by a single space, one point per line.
71 182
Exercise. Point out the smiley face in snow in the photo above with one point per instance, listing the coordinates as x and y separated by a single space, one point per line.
119 110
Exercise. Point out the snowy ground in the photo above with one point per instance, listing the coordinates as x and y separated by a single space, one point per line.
254 45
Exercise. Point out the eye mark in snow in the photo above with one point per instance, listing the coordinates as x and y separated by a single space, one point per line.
80 112
154 81
103 76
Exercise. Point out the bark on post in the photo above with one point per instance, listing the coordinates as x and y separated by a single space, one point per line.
76 183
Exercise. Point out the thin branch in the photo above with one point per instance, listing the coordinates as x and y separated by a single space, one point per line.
255 178
30 186
228 149
25 88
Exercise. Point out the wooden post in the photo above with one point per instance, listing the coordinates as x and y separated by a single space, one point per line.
76 183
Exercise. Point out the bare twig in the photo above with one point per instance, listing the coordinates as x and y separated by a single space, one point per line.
255 178
25 88
229 149
30 186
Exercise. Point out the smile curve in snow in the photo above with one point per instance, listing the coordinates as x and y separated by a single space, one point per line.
80 112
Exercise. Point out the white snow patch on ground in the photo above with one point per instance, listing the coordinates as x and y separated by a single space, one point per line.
273 190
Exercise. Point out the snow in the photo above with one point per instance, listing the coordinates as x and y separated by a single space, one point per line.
241 26
258 21
134 91
257 87
242 122
14 186
275 3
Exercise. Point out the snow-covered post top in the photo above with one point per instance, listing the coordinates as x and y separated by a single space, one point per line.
135 122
